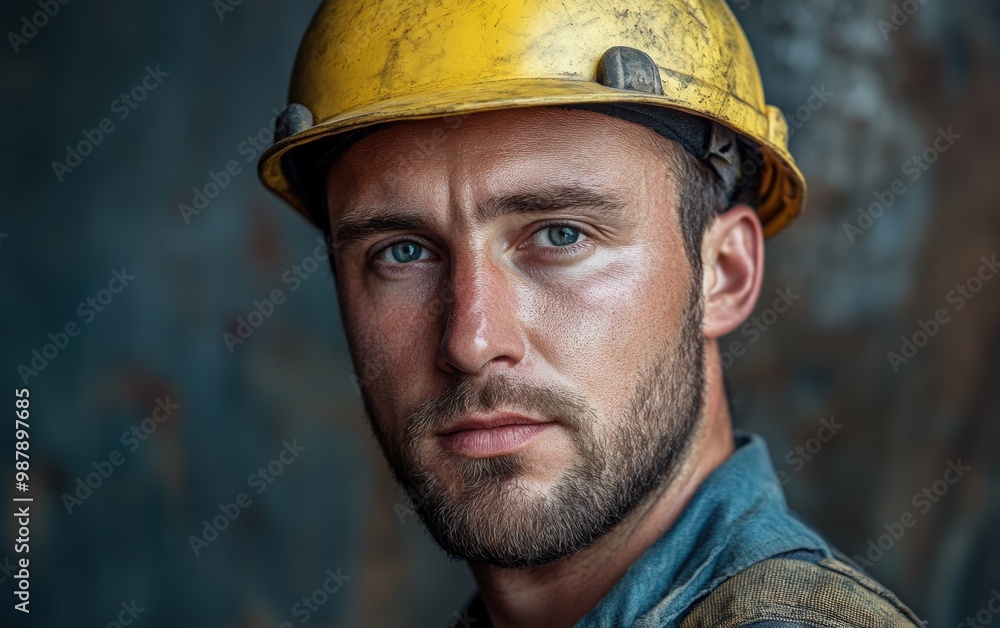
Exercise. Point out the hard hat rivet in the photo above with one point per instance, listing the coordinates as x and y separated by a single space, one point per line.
627 68
294 119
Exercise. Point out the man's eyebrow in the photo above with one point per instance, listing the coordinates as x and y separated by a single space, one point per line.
550 199
352 229
355 228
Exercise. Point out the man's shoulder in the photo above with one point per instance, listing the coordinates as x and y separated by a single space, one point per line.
793 591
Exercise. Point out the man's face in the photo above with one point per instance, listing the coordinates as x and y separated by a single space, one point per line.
518 303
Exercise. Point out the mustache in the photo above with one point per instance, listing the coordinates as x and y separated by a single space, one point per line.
466 395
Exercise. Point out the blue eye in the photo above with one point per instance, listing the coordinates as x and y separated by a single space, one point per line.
404 252
563 235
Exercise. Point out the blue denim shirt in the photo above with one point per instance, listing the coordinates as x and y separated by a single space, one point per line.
737 518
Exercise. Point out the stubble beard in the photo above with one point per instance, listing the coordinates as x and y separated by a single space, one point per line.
489 516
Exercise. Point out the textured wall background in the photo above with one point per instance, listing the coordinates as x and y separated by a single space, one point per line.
217 80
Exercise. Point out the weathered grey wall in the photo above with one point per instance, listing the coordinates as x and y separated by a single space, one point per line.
892 90
885 95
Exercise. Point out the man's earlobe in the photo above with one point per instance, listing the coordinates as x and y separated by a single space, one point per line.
733 261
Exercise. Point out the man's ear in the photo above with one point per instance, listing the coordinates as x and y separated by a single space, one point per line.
732 254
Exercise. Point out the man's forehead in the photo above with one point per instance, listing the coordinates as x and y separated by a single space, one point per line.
529 143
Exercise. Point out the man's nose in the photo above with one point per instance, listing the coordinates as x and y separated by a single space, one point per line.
482 323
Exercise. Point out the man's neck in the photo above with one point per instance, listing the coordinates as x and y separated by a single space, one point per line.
561 593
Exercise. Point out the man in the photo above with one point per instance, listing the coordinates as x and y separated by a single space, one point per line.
543 215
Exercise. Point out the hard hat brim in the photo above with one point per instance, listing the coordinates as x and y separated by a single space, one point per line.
783 189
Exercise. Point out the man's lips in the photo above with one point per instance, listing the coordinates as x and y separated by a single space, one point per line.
492 435
489 421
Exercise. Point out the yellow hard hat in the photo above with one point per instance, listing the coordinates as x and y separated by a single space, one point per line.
363 63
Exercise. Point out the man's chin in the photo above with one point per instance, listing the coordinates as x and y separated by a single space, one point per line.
503 534
500 517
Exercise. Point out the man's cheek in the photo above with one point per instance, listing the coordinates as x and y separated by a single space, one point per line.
392 361
593 333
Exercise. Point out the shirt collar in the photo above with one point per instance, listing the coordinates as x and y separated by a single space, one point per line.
737 517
